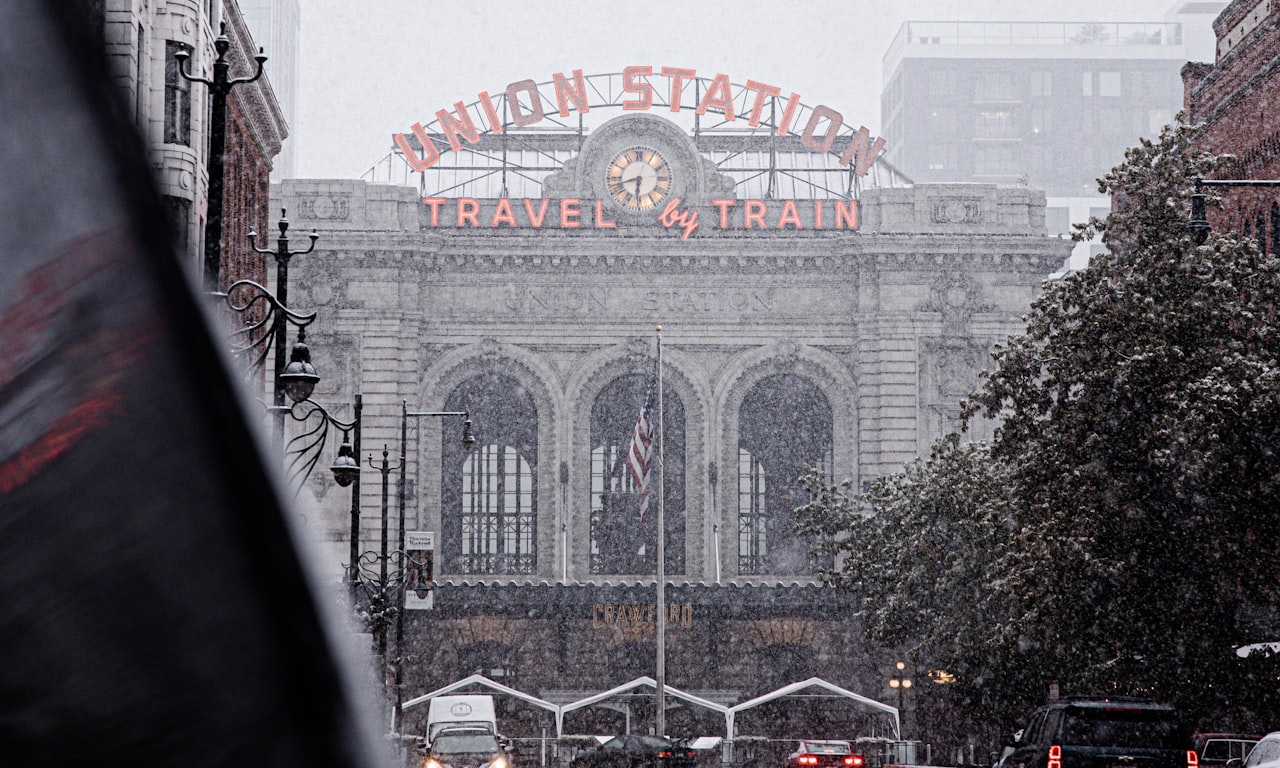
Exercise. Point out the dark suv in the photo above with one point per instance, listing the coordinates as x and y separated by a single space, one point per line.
1103 733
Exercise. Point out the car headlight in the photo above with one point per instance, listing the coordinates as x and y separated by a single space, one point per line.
498 762
431 762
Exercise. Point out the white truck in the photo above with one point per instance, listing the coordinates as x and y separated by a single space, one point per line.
472 712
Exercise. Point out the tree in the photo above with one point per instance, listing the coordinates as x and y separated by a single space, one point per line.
919 549
1121 534
1139 412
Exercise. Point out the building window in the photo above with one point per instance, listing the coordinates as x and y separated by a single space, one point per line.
1157 119
178 212
177 97
784 428
489 496
1039 120
943 82
1108 83
1041 82
994 160
995 86
1057 220
622 541
993 124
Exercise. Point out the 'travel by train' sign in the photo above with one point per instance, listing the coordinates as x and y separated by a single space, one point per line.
525 107
575 213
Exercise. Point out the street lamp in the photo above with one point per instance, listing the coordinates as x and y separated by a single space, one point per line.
1198 223
900 683
219 87
298 378
378 579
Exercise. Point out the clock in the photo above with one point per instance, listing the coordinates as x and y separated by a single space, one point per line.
638 179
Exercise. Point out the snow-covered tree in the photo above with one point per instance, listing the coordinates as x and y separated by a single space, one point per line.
1121 534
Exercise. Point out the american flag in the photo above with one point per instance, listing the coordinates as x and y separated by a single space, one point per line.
640 456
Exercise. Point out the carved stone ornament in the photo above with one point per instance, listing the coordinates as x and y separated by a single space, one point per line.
324 207
957 210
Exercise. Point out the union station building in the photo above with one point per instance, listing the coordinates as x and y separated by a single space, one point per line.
511 261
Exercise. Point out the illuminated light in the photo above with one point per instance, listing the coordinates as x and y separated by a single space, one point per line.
1055 757
1193 760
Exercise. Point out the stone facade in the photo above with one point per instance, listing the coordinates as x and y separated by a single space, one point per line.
1235 98
885 329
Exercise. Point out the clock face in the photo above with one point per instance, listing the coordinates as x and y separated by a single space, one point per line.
638 179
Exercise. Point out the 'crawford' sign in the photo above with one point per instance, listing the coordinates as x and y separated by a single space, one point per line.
525 107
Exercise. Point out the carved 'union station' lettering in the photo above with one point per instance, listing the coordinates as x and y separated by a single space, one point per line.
708 301
546 299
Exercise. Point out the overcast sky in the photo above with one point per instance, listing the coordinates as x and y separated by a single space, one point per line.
371 68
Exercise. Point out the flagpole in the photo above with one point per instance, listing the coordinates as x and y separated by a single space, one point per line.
661 676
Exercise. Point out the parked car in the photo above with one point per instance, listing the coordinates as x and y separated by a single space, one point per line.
1103 733
1215 749
1265 754
467 748
810 753
637 751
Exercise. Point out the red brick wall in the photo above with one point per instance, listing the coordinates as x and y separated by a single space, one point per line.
245 204
1238 99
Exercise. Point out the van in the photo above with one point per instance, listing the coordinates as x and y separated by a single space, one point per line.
472 712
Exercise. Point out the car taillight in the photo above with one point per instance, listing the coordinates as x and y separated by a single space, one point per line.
808 760
1193 760
664 753
1055 757
854 761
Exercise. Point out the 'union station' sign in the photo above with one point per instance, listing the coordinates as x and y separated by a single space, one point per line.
525 107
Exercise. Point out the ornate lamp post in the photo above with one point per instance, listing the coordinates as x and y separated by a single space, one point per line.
900 682
1198 223
378 578
219 87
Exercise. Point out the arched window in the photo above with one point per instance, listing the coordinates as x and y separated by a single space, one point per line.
1275 229
784 427
621 540
1261 230
489 496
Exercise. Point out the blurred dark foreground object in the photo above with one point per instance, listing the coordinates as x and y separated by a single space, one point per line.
153 606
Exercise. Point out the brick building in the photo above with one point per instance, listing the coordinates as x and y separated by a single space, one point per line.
1237 98
172 114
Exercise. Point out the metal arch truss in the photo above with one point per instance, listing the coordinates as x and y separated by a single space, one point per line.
514 161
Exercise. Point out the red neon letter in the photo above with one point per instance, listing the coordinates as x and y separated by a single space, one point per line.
434 204
535 219
453 127
677 75
846 214
601 223
753 213
430 155
861 151
817 214
535 103
762 92
790 215
820 113
724 205
565 93
569 213
631 86
719 96
468 210
491 114
503 214
788 114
